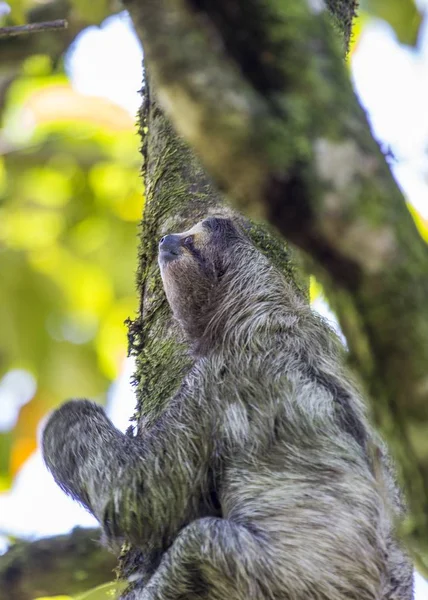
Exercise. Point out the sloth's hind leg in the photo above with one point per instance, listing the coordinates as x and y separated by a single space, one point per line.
213 559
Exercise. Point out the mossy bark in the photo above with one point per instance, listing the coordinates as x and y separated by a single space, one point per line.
64 564
260 90
178 194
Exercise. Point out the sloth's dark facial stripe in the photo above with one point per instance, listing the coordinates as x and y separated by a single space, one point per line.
190 246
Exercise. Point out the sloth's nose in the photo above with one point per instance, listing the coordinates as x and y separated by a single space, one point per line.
169 247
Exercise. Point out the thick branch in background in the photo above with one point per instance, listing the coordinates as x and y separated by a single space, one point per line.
65 564
261 91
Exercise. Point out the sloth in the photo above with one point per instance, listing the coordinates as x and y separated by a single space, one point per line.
263 478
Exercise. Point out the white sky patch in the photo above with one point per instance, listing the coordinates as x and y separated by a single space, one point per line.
414 185
4 9
107 61
394 90
17 387
322 308
316 6
421 587
36 506
392 84
121 397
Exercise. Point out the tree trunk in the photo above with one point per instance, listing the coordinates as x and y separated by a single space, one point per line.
178 194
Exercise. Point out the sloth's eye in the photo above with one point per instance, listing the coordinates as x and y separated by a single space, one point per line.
188 241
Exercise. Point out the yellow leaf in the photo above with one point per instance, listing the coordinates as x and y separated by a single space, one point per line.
37 65
25 432
420 222
5 483
315 289
403 16
32 228
3 177
111 340
46 186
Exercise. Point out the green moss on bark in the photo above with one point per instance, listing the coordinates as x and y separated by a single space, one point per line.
178 194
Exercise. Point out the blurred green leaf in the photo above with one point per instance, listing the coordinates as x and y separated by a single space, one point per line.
107 591
70 200
92 12
420 222
18 9
403 16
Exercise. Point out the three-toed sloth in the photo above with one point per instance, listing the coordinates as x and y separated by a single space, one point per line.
262 479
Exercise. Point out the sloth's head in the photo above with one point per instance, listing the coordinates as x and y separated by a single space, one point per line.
195 267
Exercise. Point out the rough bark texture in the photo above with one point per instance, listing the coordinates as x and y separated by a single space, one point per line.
65 564
261 92
178 194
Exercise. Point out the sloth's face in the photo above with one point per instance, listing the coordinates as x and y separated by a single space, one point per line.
192 265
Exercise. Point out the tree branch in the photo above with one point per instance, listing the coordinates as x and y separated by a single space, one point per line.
13 50
261 91
65 564
32 28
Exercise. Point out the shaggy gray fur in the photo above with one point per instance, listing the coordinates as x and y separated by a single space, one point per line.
263 479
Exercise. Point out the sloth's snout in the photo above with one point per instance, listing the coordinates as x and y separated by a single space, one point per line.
169 247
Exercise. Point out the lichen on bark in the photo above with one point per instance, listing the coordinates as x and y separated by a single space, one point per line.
177 192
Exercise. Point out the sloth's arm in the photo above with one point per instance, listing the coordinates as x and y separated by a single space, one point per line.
143 489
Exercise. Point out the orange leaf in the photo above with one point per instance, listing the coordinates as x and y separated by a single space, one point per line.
25 433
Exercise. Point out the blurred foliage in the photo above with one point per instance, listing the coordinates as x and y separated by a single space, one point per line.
107 591
70 200
88 12
402 15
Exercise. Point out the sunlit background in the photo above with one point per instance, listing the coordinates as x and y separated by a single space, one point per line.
70 200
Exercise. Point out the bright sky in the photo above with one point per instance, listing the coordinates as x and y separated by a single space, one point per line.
393 85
